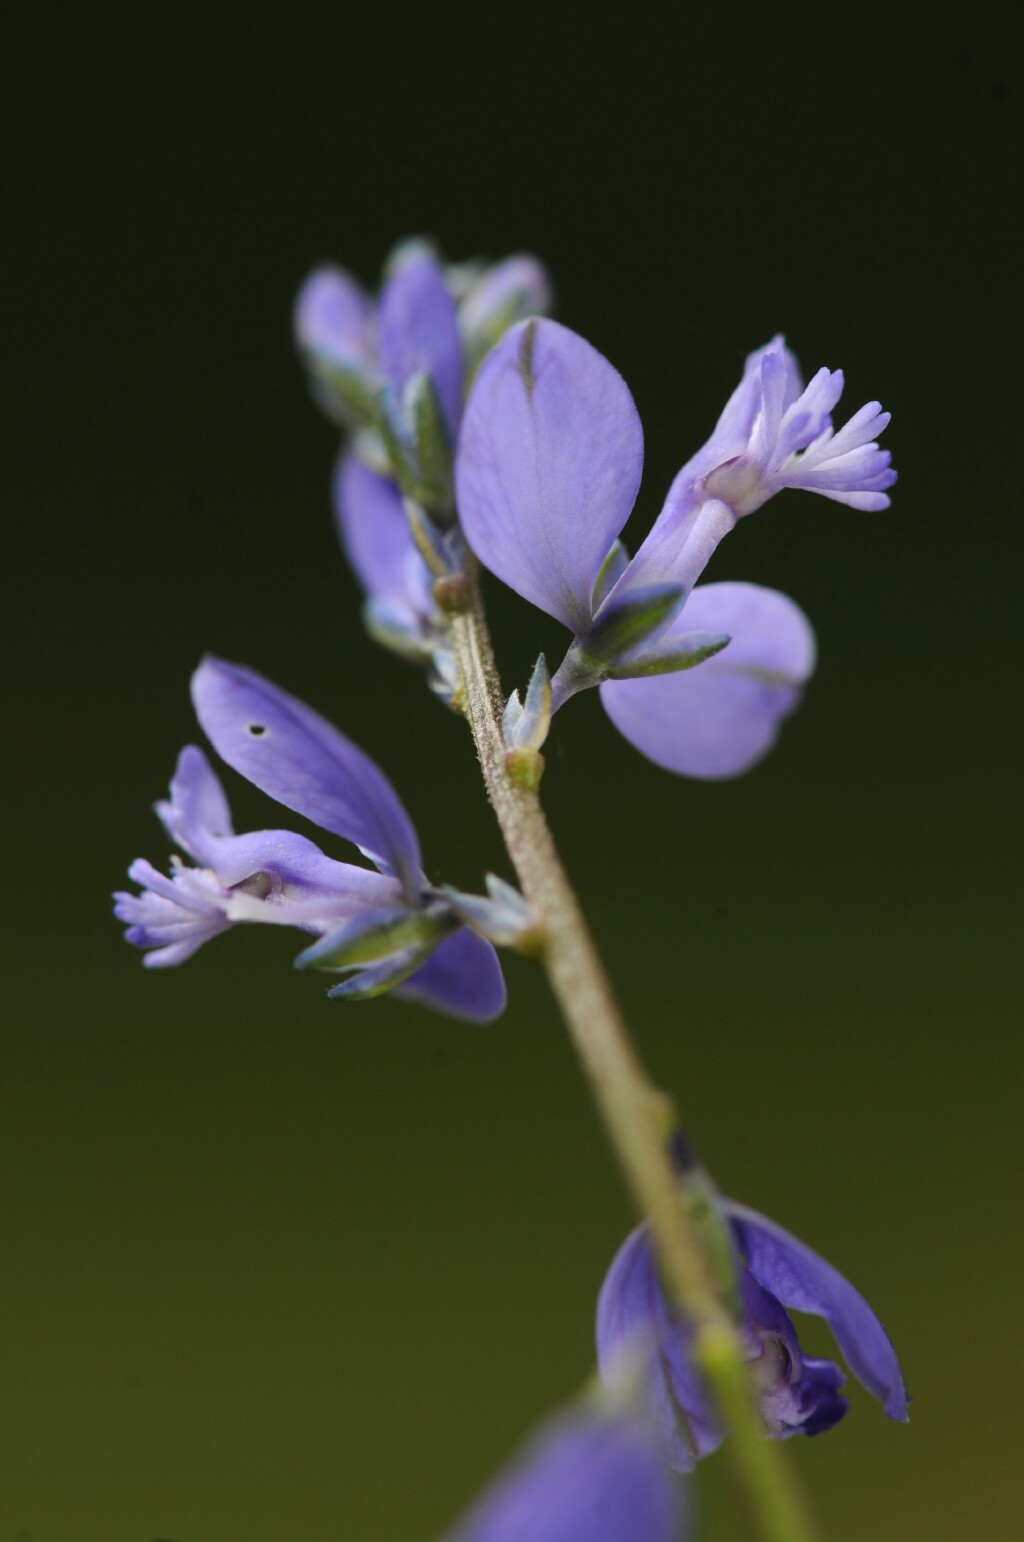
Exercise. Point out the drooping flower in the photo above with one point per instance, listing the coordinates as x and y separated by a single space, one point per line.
798 1394
547 471
380 929
596 1475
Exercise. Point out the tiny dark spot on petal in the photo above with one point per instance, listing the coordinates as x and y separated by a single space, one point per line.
256 729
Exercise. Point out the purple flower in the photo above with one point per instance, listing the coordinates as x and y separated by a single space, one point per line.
429 321
547 470
376 539
395 371
597 1475
797 1393
380 929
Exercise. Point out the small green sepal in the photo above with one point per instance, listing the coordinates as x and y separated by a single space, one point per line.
369 938
624 624
682 651
525 725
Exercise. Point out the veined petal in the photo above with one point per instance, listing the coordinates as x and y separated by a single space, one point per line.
418 331
548 466
294 755
375 534
462 978
716 720
591 1476
803 1280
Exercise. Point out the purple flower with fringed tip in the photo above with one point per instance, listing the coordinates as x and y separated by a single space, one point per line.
547 471
384 929
595 1475
797 1393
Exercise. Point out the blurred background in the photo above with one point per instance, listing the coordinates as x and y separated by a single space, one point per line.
274 1267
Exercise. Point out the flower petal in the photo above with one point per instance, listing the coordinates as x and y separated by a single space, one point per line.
462 978
718 719
332 319
508 292
294 755
172 917
803 1280
632 1317
375 534
197 816
418 331
548 466
587 1477
732 432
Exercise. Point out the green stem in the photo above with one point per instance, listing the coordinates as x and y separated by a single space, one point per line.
639 1118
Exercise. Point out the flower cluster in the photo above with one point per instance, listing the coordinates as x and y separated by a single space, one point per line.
539 470
476 429
393 373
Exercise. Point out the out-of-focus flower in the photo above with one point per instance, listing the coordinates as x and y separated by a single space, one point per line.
797 1393
595 1475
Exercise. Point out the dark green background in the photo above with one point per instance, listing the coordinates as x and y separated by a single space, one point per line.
274 1268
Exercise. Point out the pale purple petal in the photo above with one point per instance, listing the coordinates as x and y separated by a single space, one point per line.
633 1317
198 811
290 867
588 1477
515 288
804 1281
681 543
797 447
172 917
333 319
462 979
548 466
418 331
691 524
294 755
732 432
375 534
501 295
718 719
811 414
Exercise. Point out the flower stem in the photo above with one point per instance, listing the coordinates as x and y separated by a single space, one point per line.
639 1118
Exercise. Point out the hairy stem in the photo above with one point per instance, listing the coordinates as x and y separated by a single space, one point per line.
639 1119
